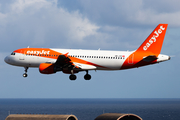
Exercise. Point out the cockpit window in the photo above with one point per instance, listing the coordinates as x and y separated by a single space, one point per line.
13 53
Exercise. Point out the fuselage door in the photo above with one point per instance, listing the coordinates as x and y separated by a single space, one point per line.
130 59
21 56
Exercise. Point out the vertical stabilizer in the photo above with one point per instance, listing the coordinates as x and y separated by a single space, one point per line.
154 42
149 50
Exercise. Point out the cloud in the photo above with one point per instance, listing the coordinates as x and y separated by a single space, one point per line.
88 24
129 13
116 25
42 23
125 24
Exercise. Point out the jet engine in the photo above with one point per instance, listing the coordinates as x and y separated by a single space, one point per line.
46 68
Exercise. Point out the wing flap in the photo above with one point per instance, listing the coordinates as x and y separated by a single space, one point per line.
85 66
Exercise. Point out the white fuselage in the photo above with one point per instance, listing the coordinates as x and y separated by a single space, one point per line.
105 60
112 60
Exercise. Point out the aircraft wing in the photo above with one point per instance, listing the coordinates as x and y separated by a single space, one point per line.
64 61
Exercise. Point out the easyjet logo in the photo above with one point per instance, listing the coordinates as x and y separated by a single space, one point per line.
154 37
38 52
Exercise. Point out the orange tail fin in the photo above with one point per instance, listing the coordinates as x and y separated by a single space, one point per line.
153 43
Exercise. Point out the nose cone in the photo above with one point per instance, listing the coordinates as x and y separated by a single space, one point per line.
7 59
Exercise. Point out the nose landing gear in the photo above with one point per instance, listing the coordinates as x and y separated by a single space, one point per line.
25 74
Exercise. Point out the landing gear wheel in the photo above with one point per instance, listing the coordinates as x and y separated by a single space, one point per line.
25 75
72 77
87 77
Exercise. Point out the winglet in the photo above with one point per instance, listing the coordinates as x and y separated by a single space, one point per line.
66 54
154 41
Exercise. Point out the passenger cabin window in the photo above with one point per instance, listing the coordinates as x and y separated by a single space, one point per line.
13 53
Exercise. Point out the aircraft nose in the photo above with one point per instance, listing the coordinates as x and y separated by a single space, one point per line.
7 59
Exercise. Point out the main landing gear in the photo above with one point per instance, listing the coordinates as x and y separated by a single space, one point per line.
25 74
72 76
86 76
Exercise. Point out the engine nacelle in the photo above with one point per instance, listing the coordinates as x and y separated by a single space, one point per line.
46 68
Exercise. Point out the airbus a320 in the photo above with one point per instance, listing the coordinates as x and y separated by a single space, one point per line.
71 61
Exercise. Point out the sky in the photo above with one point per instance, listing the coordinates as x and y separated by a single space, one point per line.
89 24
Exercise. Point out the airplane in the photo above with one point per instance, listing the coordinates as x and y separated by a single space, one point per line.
72 61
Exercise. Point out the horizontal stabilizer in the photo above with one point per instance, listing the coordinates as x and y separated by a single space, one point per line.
150 58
